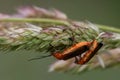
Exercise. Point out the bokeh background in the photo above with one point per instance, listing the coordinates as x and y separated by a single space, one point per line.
14 65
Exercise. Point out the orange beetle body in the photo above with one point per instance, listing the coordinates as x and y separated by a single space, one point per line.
73 51
90 53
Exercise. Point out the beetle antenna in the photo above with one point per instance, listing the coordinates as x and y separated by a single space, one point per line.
40 57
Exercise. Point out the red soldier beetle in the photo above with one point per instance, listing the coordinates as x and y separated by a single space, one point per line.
90 53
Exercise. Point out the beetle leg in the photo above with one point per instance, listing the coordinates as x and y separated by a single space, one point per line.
76 59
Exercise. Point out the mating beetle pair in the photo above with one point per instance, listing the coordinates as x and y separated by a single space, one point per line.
84 50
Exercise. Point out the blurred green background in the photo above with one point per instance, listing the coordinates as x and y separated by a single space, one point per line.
14 65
